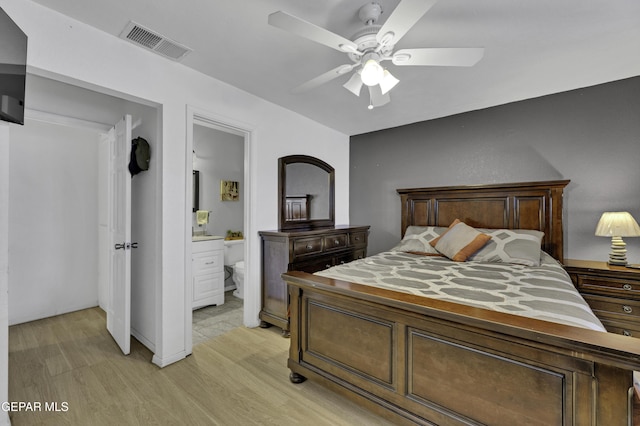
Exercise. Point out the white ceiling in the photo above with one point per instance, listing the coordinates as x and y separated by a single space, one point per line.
532 48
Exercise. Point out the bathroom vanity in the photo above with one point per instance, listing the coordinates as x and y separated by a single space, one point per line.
207 271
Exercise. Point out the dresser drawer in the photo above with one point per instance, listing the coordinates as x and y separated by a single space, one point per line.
305 246
359 254
613 308
313 265
609 286
625 328
332 242
357 238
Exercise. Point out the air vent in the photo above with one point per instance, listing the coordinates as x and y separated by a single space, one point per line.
144 37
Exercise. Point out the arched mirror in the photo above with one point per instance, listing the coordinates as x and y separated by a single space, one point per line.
306 193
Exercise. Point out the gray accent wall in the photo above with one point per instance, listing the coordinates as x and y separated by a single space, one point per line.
590 136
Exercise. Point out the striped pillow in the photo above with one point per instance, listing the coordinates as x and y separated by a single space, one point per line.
460 241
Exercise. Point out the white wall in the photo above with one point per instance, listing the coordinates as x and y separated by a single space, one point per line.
74 52
54 220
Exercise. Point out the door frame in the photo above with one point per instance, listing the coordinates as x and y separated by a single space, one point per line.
251 305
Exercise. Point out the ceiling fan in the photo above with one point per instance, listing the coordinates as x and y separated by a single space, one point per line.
374 44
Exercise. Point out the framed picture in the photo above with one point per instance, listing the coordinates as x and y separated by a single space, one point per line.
229 190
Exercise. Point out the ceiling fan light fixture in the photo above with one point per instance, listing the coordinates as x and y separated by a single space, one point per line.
354 84
388 82
372 73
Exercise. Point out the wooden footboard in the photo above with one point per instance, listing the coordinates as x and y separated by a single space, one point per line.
424 361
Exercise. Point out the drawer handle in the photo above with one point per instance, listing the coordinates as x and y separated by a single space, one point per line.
209 263
627 309
309 247
342 262
336 242
357 238
327 266
627 286
626 333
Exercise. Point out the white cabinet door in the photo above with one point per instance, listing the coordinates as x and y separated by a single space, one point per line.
208 273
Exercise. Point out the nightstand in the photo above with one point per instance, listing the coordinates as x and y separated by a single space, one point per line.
613 292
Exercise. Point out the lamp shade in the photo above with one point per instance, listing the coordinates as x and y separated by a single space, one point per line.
354 84
617 224
388 82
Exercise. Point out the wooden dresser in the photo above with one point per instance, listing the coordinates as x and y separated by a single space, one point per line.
613 292
308 251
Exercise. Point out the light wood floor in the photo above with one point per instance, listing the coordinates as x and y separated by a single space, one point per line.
239 378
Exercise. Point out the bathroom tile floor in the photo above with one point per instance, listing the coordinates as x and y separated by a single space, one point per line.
212 321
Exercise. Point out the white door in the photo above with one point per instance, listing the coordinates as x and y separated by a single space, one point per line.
119 196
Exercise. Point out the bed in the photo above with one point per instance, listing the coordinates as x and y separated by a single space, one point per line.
426 360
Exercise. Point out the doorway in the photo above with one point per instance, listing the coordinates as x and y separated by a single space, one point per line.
220 151
58 164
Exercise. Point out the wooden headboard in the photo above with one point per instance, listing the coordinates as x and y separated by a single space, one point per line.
525 205
297 207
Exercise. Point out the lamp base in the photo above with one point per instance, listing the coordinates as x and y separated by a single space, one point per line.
618 254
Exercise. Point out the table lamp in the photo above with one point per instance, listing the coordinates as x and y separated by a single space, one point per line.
617 225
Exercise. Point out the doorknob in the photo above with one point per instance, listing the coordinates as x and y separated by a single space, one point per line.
120 246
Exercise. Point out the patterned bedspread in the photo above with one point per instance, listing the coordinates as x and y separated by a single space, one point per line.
543 292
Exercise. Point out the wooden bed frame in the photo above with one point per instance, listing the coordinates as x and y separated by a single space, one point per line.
417 360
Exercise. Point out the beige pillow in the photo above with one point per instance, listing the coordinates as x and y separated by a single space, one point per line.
460 241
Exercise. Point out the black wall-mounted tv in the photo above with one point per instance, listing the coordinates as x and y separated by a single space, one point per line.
13 70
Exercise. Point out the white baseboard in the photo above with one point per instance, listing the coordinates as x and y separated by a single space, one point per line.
146 342
163 362
34 316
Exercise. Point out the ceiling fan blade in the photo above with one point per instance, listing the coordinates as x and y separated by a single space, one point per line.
439 56
310 31
403 17
377 98
323 78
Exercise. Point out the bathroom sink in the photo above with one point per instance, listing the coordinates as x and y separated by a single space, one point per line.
206 237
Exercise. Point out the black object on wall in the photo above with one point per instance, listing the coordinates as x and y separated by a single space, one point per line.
13 70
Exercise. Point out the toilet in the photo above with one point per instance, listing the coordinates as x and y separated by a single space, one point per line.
238 279
234 259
